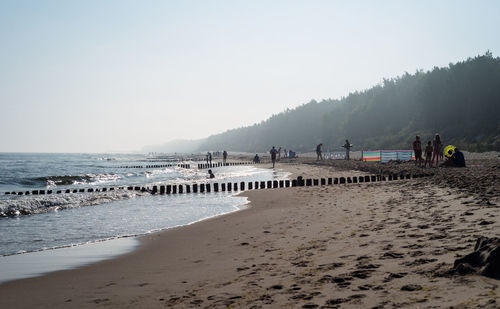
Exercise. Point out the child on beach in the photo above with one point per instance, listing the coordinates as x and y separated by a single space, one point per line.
428 154
417 148
436 145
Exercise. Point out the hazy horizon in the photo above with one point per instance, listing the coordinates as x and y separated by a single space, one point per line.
116 76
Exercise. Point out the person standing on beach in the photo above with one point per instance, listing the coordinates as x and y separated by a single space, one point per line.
319 155
273 153
209 158
224 156
428 154
417 148
436 148
347 147
279 153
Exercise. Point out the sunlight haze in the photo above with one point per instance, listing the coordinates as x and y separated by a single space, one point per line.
106 76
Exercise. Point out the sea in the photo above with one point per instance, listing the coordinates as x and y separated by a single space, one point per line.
48 232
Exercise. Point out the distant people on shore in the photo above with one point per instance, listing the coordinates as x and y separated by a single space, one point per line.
273 153
210 174
417 148
209 158
319 155
285 154
436 148
428 154
256 159
347 147
224 156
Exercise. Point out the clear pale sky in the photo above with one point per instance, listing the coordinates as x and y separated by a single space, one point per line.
100 76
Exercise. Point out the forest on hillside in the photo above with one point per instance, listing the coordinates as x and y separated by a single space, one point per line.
461 102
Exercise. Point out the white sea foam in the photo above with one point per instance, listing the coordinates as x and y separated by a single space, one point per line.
29 205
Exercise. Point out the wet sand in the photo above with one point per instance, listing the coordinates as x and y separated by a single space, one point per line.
368 245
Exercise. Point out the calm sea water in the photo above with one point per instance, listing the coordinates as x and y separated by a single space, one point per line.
37 223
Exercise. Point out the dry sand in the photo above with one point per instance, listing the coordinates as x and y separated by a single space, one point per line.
379 245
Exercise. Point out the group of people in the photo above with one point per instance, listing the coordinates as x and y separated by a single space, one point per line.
434 151
208 157
319 151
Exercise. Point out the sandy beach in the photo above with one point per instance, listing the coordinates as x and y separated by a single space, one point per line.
370 245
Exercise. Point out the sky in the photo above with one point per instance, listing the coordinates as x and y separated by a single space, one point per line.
115 76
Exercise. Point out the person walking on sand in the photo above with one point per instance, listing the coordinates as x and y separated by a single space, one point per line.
428 154
224 157
273 153
417 148
319 155
347 147
436 148
279 153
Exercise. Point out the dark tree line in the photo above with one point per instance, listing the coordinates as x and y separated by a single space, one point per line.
461 102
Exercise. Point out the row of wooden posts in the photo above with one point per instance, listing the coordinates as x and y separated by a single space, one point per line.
188 166
223 187
156 166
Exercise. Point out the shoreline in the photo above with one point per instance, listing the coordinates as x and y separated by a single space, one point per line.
292 247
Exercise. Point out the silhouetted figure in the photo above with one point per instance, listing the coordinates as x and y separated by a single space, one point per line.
347 147
319 155
224 156
273 153
279 153
209 158
417 148
428 154
436 145
256 159
210 174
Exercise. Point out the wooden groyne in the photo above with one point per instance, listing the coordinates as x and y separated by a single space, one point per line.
207 187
